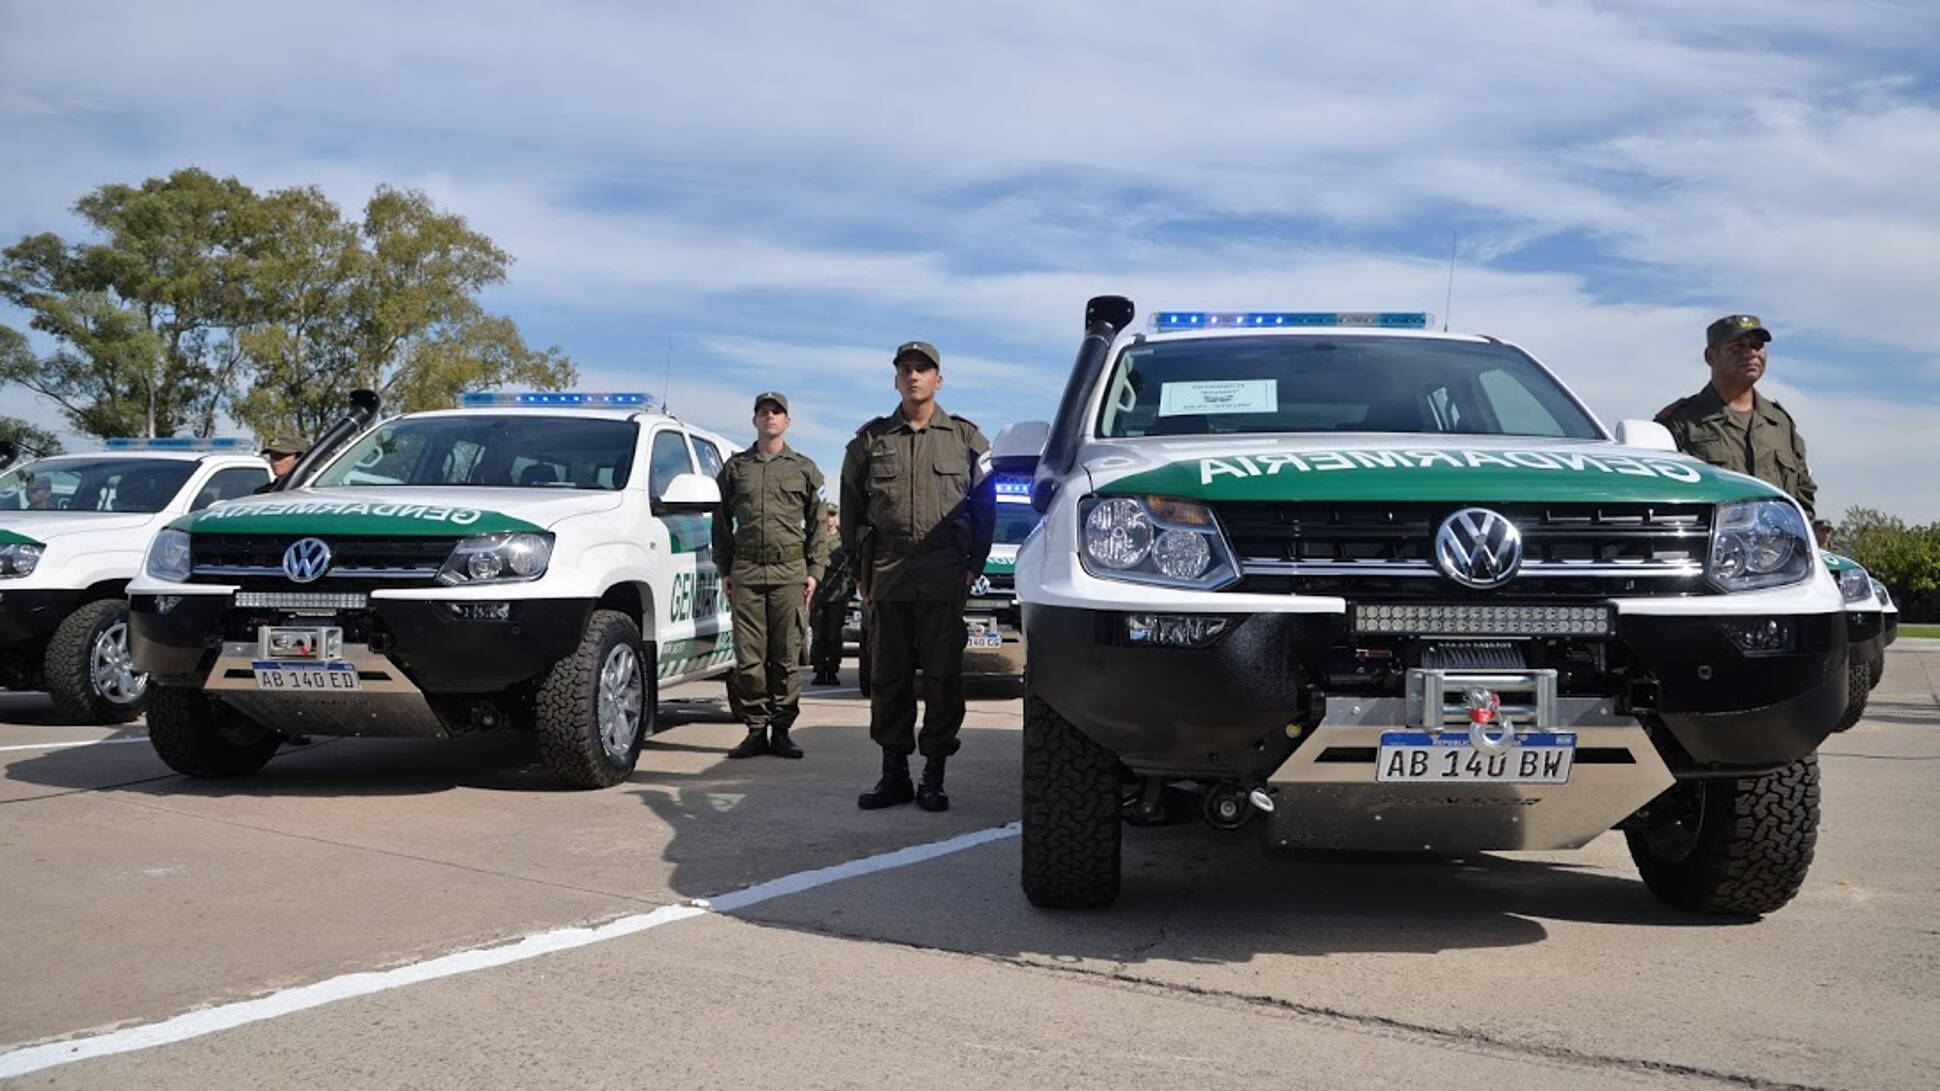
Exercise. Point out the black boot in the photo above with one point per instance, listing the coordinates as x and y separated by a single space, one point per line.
755 744
825 678
893 788
929 794
780 745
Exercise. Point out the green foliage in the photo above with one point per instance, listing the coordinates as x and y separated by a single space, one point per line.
31 442
204 297
1904 558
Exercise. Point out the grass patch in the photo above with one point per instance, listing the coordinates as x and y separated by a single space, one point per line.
1930 631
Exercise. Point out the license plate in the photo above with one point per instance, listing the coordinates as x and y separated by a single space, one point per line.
1421 757
306 677
986 640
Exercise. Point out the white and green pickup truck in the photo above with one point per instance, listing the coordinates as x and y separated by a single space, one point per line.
528 561
1381 588
73 529
1872 623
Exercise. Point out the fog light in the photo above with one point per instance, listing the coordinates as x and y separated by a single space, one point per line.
1174 630
1760 634
165 603
482 611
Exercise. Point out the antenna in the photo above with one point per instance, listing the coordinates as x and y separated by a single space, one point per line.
1448 304
667 376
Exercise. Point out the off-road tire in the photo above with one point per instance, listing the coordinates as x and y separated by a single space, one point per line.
566 706
69 666
1859 678
1878 671
1753 842
200 737
1071 813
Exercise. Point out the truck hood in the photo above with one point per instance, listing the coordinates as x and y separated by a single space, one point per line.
46 526
1456 469
377 510
1003 559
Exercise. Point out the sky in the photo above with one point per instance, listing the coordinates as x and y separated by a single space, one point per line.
707 200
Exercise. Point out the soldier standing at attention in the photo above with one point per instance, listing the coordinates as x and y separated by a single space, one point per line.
831 608
916 519
768 546
1732 426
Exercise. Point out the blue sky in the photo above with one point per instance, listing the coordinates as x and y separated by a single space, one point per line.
784 192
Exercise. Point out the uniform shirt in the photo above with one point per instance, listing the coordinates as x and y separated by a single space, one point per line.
838 580
916 511
1766 444
770 525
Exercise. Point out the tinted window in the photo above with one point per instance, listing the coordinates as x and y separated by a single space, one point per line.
229 484
1216 386
669 460
1015 523
103 484
710 456
509 451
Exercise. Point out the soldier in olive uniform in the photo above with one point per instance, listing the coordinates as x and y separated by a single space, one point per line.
768 546
917 519
831 608
1732 426
282 453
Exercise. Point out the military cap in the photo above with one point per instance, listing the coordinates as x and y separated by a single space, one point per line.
775 396
282 443
920 348
1733 326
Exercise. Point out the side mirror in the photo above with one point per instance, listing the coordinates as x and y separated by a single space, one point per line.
688 493
1647 434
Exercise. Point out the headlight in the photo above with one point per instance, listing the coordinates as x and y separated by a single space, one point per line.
1155 539
1855 585
1885 599
498 558
20 558
1758 543
168 556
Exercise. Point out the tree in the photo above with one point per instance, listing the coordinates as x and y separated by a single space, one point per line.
1906 559
205 298
390 305
144 320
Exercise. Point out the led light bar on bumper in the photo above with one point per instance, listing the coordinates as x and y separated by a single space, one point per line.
1154 539
302 600
1449 619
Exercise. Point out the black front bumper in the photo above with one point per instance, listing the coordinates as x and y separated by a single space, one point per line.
28 618
1228 706
439 651
1866 636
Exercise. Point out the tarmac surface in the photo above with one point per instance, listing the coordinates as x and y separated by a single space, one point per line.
374 913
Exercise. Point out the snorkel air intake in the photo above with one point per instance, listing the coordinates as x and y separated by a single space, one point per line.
1105 316
363 409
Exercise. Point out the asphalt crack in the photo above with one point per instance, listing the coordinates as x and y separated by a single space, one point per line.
1466 1041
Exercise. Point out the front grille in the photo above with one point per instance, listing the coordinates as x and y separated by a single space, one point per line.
1385 551
255 561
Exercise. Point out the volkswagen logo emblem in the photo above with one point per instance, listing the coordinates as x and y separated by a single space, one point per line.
981 587
1476 547
307 559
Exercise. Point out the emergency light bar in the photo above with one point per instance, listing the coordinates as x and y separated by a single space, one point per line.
1013 490
178 443
500 399
1173 321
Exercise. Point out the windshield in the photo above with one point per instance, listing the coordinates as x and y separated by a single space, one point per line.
1015 523
1224 385
517 451
94 484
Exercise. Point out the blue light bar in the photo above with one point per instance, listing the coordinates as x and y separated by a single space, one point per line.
178 443
1013 490
1173 321
501 399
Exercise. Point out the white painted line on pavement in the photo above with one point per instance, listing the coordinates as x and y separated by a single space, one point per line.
203 1021
63 745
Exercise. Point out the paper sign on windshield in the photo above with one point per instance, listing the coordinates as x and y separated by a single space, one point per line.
1231 396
